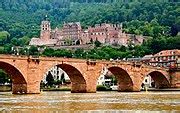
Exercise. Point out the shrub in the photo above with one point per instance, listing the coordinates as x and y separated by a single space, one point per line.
101 88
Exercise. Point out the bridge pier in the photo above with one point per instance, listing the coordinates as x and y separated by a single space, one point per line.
78 88
125 88
19 88
91 87
129 88
33 88
26 88
175 79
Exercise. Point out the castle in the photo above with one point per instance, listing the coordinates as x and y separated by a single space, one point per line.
72 34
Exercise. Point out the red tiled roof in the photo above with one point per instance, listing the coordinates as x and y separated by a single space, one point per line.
168 53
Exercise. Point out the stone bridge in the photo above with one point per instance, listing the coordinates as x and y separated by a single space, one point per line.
27 72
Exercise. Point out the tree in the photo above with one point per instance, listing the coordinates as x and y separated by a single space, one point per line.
8 48
33 50
175 29
4 78
24 40
49 79
63 78
97 43
48 52
15 42
4 35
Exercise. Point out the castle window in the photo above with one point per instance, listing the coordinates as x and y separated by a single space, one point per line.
146 80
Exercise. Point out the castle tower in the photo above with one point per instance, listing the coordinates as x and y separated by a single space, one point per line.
45 30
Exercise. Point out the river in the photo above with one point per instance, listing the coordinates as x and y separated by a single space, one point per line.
135 102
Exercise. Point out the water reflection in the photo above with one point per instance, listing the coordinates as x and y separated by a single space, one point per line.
91 102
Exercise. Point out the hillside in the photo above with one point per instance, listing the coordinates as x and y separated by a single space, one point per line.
20 19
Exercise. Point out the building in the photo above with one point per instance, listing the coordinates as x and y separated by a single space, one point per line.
71 34
166 58
146 59
148 82
103 80
112 34
104 32
46 37
58 74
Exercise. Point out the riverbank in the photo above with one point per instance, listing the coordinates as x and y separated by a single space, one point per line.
56 89
171 89
5 88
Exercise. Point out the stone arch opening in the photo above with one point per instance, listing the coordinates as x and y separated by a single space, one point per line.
19 84
159 80
124 80
78 83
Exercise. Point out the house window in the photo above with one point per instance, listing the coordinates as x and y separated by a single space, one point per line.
174 57
101 78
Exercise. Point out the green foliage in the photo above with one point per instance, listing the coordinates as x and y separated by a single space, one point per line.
4 35
62 53
4 78
48 52
15 42
101 88
49 79
7 49
97 43
24 41
33 50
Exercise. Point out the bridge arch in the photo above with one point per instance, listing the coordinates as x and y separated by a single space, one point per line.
78 82
160 79
19 83
124 80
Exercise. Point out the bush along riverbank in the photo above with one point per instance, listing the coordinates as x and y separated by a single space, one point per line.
99 88
103 88
56 89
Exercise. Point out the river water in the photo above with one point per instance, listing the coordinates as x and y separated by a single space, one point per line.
55 102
